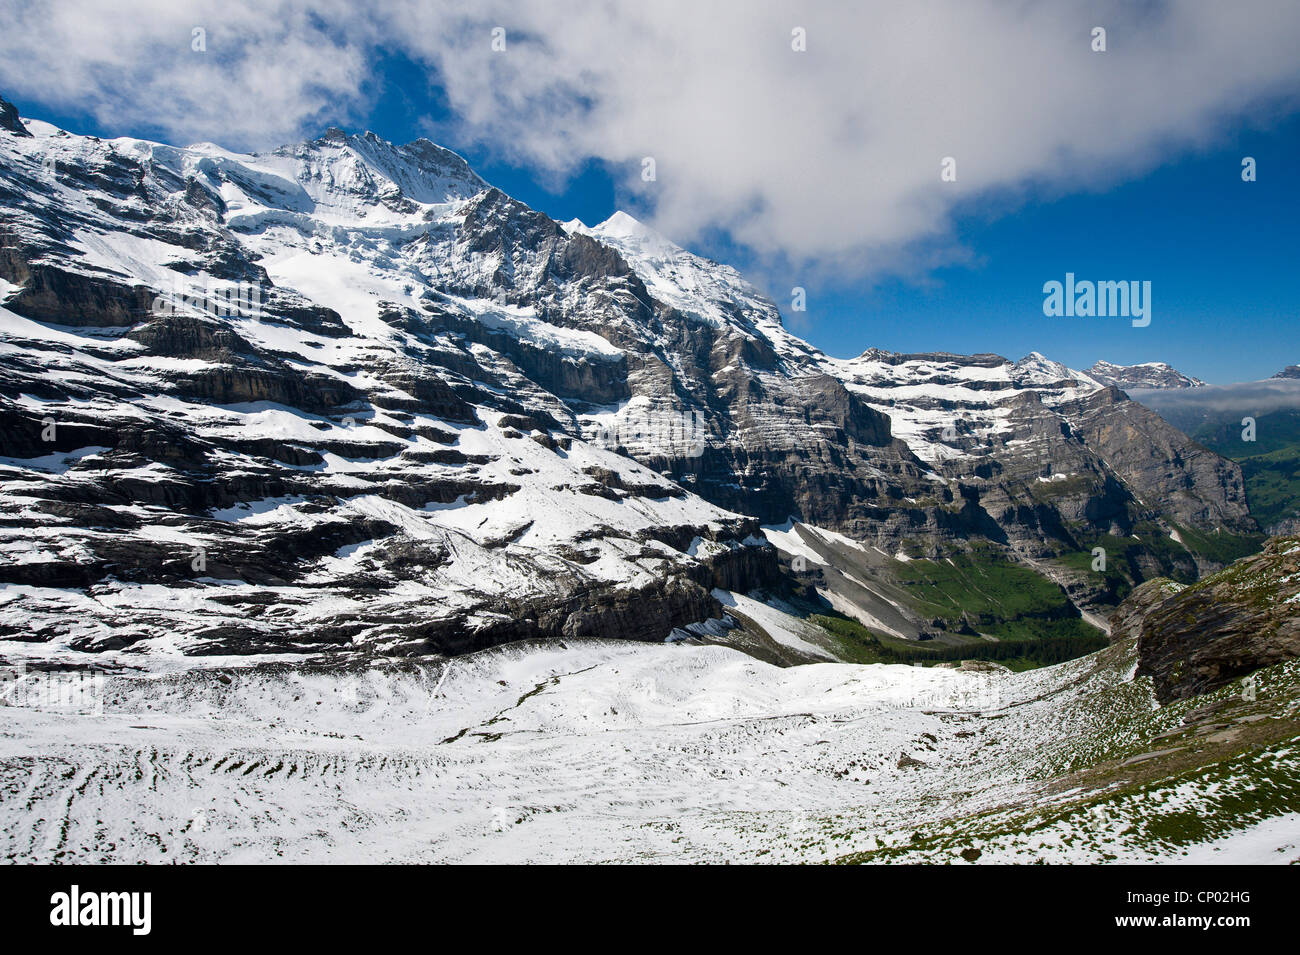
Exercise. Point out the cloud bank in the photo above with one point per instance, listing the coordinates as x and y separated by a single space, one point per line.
1247 397
831 155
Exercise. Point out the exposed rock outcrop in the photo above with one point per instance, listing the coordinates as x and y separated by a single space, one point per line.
1220 628
9 119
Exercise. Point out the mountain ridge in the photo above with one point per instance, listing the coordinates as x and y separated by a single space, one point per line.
448 421
1150 374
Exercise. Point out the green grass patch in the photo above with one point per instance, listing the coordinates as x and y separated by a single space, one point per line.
858 644
984 586
1077 485
1270 465
1274 431
1222 546
1127 557
1273 485
1119 578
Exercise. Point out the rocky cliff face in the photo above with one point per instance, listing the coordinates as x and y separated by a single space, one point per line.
959 446
1157 463
346 394
1040 458
9 119
1194 639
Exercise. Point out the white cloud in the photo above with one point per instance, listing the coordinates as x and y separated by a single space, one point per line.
1248 397
270 69
829 156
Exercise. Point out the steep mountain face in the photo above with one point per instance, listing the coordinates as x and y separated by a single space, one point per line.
1150 374
9 119
1028 453
1255 424
1044 450
346 395
237 422
1224 627
1290 371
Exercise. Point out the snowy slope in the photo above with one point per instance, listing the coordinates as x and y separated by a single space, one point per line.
699 288
614 752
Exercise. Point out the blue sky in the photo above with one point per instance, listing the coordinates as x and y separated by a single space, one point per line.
1150 188
1223 257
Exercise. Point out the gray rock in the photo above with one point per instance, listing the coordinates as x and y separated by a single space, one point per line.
1223 627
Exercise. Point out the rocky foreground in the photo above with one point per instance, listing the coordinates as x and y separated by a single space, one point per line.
1197 638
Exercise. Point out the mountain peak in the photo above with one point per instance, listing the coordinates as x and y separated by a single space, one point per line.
628 230
623 223
9 119
1146 375
1037 362
360 164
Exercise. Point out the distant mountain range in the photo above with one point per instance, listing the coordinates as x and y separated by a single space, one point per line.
1157 376
1151 374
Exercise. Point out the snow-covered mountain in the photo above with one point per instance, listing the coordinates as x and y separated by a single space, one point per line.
496 488
953 414
1149 374
346 395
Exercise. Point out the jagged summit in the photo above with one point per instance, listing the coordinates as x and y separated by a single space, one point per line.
421 149
369 167
1150 374
341 178
1038 367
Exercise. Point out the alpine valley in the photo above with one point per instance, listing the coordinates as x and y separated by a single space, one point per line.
351 509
